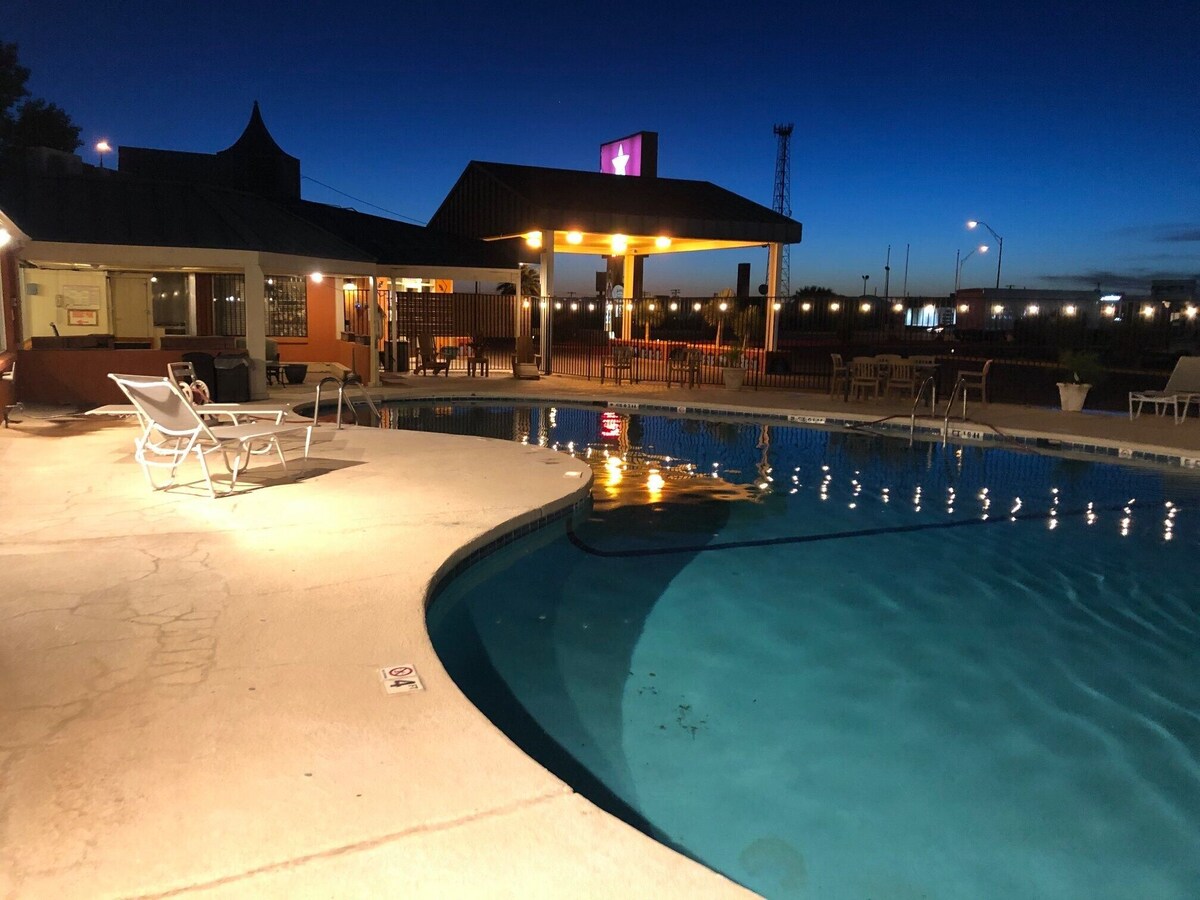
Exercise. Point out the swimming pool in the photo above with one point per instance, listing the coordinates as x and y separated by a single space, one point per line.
828 664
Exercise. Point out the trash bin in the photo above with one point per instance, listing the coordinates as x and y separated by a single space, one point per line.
202 363
401 356
232 378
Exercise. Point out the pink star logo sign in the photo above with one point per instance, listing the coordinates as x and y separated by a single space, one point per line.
620 161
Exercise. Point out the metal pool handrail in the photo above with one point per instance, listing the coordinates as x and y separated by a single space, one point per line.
341 397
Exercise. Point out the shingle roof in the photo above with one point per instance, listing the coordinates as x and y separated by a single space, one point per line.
112 208
492 199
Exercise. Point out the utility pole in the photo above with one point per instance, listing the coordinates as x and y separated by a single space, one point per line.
906 247
887 273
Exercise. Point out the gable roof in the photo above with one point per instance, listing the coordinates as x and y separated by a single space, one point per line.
500 199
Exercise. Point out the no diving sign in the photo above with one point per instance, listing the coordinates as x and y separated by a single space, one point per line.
401 679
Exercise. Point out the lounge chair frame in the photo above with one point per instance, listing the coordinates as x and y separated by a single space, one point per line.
173 430
1183 387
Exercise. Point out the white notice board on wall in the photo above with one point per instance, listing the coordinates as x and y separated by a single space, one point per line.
81 296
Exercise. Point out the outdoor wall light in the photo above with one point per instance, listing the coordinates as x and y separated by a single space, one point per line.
317 277
1109 311
629 307
998 309
650 306
722 306
805 306
835 307
5 237
1148 312
696 307
674 307
1068 310
897 307
620 243
1031 309
1190 312
778 306
558 304
962 308
574 237
574 307
542 304
662 242
154 279
866 307
348 284
591 307
534 239
525 304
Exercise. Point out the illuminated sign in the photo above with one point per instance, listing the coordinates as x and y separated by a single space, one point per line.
636 155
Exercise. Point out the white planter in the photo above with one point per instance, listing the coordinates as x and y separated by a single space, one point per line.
1072 394
734 377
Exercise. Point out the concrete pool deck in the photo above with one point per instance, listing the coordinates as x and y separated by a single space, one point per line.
190 697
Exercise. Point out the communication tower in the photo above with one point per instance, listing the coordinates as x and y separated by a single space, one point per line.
783 199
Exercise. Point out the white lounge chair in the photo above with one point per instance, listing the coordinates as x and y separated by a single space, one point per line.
173 430
1182 388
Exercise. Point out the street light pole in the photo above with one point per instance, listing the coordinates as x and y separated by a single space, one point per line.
999 245
864 278
958 264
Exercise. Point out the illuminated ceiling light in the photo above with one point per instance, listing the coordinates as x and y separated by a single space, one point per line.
620 243
1032 309
835 307
270 281
962 308
534 239
865 307
348 284
154 279
662 242
998 309
1069 310
898 307
674 307
805 306
574 237
696 307
317 277
1148 312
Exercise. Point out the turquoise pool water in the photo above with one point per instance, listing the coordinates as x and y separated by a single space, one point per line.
831 665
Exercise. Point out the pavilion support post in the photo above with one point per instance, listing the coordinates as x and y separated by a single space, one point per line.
774 254
628 298
547 305
373 332
256 326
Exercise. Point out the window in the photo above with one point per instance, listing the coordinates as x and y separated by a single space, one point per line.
287 305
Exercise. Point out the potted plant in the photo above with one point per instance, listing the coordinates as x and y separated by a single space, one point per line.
733 371
1085 371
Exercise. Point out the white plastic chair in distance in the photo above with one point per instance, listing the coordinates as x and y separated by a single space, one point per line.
173 430
1182 387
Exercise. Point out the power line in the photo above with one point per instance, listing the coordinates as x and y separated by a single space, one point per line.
366 202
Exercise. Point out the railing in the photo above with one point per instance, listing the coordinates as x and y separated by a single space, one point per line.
342 384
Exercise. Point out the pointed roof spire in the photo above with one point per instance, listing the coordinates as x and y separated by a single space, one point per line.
256 140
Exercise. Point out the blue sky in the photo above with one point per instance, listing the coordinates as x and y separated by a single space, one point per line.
1071 128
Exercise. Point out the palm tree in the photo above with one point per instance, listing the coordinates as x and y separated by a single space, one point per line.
531 283
651 312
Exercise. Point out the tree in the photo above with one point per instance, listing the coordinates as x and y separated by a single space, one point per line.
531 283
25 121
652 312
812 290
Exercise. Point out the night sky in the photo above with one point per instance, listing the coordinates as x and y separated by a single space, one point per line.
1073 129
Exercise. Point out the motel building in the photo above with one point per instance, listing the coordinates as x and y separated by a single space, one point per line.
173 252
